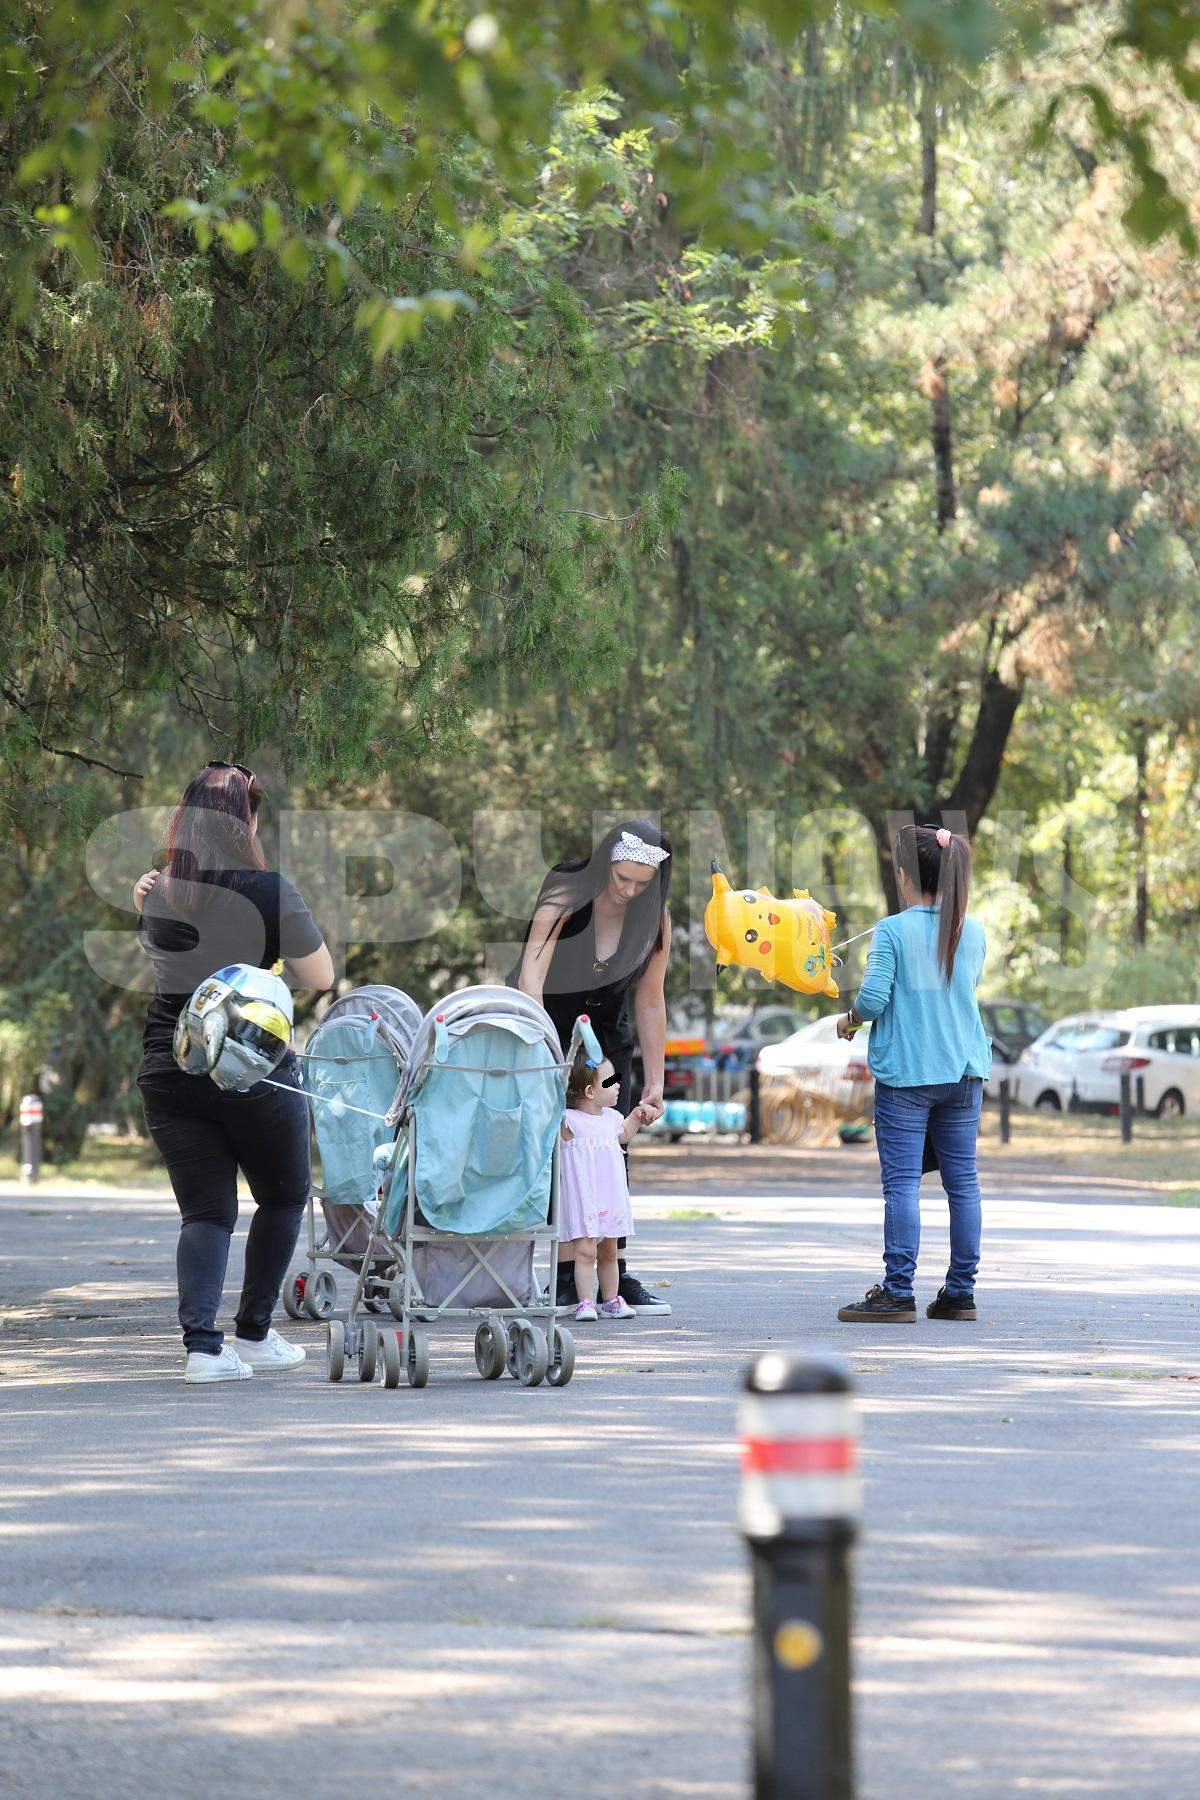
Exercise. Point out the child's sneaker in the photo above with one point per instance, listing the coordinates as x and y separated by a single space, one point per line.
616 1309
216 1365
585 1313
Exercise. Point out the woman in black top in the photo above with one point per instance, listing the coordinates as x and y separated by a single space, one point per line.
601 931
216 903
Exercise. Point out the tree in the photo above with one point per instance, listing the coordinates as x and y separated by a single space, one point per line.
212 490
361 106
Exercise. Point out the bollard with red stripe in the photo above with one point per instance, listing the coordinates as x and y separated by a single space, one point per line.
799 1506
31 1137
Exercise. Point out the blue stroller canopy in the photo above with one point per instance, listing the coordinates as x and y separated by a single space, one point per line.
486 1091
353 1066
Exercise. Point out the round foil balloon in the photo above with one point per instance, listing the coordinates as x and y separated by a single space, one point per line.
236 1027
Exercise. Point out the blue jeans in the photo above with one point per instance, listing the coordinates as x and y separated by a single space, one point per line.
949 1112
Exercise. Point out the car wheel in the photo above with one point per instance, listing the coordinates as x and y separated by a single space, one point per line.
1048 1102
1171 1105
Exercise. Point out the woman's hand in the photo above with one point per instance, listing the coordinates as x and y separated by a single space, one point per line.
848 1024
142 887
651 1103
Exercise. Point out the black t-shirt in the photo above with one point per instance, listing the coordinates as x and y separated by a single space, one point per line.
249 916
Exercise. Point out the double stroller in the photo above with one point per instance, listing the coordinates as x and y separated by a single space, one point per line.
439 1147
353 1071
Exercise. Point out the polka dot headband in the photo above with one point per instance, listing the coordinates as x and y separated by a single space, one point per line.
629 847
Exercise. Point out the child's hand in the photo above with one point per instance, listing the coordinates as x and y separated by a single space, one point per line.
632 1123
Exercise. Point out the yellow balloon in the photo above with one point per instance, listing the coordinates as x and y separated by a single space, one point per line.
785 940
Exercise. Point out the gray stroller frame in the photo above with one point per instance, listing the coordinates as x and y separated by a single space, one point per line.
516 1333
344 1231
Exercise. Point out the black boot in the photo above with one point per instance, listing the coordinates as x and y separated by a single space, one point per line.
878 1307
951 1306
643 1301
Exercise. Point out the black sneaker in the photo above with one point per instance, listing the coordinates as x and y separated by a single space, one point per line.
878 1307
565 1298
640 1298
951 1306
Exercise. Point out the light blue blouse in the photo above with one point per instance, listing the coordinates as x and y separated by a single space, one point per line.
924 1029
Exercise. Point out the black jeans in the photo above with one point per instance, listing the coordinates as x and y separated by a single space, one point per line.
205 1136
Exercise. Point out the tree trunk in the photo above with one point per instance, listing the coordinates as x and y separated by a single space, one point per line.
1141 893
972 793
941 729
936 379
963 806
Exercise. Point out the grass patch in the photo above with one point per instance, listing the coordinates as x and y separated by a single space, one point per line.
1164 1152
114 1162
1182 1197
690 1212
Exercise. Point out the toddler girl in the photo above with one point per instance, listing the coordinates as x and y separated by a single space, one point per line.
594 1206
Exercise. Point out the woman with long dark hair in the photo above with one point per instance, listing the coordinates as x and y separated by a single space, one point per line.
215 902
930 1056
601 932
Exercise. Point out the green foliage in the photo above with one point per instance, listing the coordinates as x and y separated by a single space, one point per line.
214 492
367 107
812 640
470 471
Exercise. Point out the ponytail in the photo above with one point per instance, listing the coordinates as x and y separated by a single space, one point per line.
943 870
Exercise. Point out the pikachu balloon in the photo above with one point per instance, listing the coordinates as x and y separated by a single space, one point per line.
785 940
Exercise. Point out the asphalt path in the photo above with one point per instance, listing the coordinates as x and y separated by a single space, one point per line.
283 1586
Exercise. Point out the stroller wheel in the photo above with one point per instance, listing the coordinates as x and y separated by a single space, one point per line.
335 1340
389 1344
491 1349
417 1357
369 1358
562 1357
293 1297
320 1295
513 1328
533 1356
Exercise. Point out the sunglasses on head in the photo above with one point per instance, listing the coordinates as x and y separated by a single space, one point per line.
241 768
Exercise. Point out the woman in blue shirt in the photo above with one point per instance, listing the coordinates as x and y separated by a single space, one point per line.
930 1056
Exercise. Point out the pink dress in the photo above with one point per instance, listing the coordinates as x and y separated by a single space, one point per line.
594 1192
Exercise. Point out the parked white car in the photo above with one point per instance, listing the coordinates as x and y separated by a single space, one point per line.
818 1059
1081 1060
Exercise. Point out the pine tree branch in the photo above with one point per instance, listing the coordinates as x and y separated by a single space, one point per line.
91 762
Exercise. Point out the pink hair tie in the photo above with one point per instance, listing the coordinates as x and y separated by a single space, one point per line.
943 837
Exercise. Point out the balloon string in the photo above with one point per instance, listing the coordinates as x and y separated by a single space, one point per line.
854 939
345 1106
328 1099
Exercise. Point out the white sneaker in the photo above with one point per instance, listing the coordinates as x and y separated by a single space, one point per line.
584 1313
216 1365
273 1352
